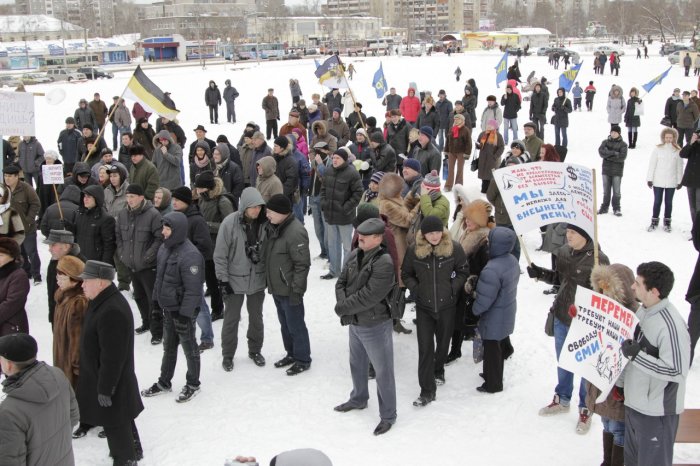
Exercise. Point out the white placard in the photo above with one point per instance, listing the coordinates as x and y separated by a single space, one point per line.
17 113
592 346
52 174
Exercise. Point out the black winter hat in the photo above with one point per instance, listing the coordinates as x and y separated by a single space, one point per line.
136 189
280 203
430 224
578 230
18 347
616 128
205 180
183 193
282 141
11 169
343 154
10 247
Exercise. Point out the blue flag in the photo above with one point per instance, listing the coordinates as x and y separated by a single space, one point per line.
657 80
379 83
318 63
567 78
502 70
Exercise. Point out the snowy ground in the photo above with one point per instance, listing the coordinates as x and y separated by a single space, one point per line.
261 411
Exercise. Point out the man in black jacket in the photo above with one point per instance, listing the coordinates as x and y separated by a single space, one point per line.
691 175
287 167
613 150
94 227
179 292
108 392
362 292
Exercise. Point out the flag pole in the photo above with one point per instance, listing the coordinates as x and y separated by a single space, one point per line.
99 135
524 249
596 253
352 96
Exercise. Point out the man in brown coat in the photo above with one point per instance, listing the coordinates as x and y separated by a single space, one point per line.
25 202
99 108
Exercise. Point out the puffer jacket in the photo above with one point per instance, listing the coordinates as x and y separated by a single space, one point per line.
232 261
94 229
287 257
180 270
198 231
364 286
435 274
212 95
384 158
561 108
215 207
168 163
497 288
37 416
340 194
665 167
429 157
139 235
614 153
410 106
268 184
31 155
616 105
287 171
69 201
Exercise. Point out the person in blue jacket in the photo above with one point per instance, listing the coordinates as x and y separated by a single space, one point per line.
577 92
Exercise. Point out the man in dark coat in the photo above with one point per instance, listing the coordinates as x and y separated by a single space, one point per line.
287 166
426 153
230 96
672 106
84 116
69 203
362 292
68 141
94 227
691 175
179 292
539 103
99 109
212 97
693 293
613 150
108 392
444 109
384 157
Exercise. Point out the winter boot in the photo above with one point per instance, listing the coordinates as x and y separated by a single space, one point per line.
654 224
667 225
618 455
603 210
607 448
630 137
584 421
635 134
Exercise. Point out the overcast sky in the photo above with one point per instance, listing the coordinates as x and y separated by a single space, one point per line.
287 2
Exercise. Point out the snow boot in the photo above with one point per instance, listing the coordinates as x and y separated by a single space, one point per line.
630 137
607 448
636 134
618 455
667 225
654 224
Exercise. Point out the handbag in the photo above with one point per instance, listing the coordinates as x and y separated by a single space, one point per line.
475 164
639 108
549 324
666 121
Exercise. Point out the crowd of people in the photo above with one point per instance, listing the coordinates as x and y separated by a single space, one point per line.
375 192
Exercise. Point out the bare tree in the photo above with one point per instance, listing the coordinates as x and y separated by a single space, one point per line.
661 18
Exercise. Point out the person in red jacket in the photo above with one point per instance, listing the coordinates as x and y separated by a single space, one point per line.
410 107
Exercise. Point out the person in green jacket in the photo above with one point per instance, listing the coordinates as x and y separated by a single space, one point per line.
432 202
143 172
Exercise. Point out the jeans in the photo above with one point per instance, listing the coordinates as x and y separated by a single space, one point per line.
32 263
441 139
513 124
693 201
565 387
298 209
563 140
183 333
319 224
295 335
204 322
433 336
664 195
115 134
614 183
232 317
617 428
230 113
339 243
373 345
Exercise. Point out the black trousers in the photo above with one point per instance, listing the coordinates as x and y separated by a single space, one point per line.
433 335
271 128
694 326
214 113
217 303
121 439
143 282
494 352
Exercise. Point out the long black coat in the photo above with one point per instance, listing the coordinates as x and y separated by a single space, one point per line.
632 120
340 194
95 229
107 361
691 175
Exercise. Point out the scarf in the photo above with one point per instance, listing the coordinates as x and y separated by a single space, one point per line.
219 166
201 163
489 137
371 195
455 131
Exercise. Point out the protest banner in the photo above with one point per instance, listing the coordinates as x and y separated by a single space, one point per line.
52 174
592 346
17 115
540 193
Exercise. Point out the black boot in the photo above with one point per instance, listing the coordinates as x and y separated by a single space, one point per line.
636 134
630 137
654 224
607 448
667 225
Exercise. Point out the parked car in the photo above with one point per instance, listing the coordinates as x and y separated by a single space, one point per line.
94 72
608 50
62 74
669 49
36 78
675 57
543 51
10 81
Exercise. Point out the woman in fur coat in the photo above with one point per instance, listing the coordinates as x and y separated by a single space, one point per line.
14 289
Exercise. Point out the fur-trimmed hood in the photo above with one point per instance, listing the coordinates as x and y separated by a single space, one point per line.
480 212
390 186
444 248
471 241
460 192
319 128
615 281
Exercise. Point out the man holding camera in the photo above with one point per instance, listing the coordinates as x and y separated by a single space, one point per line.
240 271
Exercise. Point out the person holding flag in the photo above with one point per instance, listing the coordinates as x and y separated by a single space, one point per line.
561 108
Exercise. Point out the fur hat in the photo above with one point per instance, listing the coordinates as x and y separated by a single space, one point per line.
11 248
479 212
615 281
71 266
183 193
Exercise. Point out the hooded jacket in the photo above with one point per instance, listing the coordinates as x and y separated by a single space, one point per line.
665 166
616 105
410 106
212 96
230 94
340 128
79 167
168 163
139 236
68 141
287 171
115 198
497 288
215 207
143 137
25 201
340 194
268 183
287 258
37 416
198 231
232 259
31 155
180 271
320 134
94 229
69 201
561 108
207 162
85 116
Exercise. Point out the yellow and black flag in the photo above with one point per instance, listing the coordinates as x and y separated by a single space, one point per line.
144 91
332 74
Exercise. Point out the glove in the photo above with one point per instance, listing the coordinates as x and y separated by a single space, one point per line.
534 271
618 393
679 186
630 349
650 184
225 288
572 311
346 320
309 212
104 400
470 284
295 299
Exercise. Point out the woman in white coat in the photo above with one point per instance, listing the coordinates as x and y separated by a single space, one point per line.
664 176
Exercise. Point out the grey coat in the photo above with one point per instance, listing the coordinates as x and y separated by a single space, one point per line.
36 418
233 264
139 236
85 116
429 158
230 95
31 155
616 106
497 288
168 164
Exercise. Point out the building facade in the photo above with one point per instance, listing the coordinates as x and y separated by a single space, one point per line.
20 28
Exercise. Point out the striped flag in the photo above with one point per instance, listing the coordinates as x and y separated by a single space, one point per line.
144 91
657 80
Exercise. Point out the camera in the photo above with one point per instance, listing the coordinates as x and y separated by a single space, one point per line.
253 252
